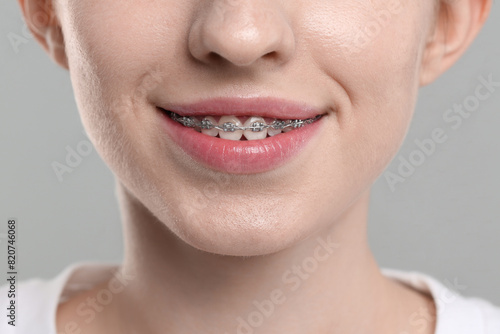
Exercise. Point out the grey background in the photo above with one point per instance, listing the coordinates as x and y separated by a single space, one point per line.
444 220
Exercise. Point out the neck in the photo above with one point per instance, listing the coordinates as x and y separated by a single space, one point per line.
327 283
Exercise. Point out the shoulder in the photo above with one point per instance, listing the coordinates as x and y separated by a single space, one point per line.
31 305
455 313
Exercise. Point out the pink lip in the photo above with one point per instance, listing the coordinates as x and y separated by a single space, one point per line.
242 157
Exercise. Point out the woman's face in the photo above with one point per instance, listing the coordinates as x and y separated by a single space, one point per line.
357 61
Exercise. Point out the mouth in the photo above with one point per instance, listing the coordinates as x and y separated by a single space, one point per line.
232 127
242 136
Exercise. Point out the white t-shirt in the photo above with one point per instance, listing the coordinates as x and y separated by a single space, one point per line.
37 301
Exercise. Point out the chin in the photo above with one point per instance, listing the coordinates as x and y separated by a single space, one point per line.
239 234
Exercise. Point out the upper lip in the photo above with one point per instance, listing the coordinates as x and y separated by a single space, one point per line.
263 106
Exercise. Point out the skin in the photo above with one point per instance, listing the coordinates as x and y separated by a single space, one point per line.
203 245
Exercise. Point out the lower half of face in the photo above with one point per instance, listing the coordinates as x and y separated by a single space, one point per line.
355 62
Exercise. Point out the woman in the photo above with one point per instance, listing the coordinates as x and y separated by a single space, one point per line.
244 137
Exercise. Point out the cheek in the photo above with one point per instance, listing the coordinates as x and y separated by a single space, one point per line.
114 56
372 50
115 48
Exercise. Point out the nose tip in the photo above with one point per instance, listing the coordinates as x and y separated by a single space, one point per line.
241 33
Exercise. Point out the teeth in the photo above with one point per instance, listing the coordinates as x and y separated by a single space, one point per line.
228 122
255 122
273 132
211 132
256 127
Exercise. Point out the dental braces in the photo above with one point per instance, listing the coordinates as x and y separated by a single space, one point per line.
257 126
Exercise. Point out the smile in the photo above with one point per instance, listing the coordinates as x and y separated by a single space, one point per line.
242 135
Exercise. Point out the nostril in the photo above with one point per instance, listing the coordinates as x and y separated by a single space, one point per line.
271 55
214 56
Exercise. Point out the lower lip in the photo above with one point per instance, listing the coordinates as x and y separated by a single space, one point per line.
241 157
